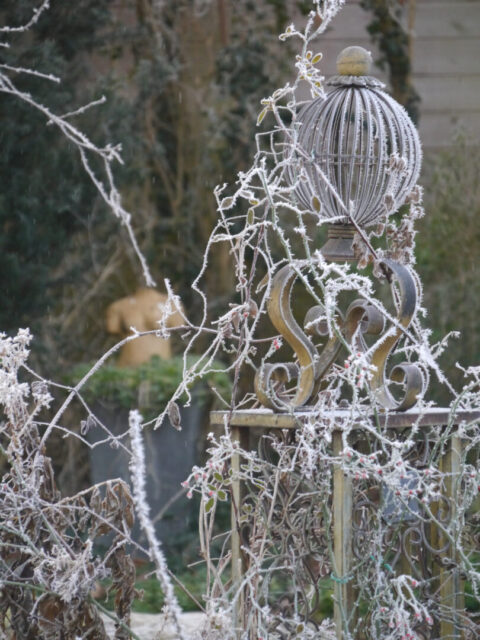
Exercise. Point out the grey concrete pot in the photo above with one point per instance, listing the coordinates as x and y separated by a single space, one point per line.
170 456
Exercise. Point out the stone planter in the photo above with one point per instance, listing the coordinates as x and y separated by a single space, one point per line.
170 456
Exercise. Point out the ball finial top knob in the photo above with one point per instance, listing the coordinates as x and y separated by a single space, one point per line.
354 61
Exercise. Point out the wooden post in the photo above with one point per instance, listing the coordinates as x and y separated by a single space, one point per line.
342 544
239 435
451 584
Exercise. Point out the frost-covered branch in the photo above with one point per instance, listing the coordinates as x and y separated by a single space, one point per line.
108 155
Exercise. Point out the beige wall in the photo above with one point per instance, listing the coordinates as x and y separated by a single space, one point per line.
446 64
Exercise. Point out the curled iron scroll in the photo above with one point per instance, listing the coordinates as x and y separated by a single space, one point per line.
363 318
271 379
409 374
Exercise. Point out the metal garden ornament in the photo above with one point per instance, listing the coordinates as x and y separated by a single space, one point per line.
355 160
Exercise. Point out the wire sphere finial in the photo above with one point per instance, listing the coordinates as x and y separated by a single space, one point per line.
357 154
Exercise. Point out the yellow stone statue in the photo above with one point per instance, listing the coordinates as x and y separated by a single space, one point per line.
141 310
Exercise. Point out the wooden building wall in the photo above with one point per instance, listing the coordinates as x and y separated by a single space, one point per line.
446 62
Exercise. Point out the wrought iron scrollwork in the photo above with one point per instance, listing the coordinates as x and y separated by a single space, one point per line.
409 374
271 379
296 537
310 366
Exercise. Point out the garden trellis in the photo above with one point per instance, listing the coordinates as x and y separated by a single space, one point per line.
360 487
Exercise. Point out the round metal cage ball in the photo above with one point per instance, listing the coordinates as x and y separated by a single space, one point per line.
359 144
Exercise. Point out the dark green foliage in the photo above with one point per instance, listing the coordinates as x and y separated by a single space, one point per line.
242 72
149 386
151 598
45 196
72 29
